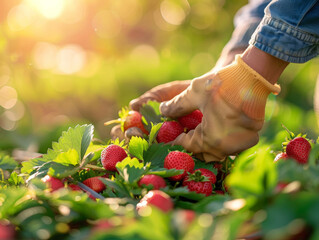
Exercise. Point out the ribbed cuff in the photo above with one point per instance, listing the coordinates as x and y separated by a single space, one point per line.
246 89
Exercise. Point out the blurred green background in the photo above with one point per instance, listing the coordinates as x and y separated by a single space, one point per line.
68 62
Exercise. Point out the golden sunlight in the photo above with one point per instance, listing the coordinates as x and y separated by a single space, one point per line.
48 8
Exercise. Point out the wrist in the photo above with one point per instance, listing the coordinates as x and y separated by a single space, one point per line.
263 63
245 89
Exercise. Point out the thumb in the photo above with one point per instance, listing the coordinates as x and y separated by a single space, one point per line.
180 105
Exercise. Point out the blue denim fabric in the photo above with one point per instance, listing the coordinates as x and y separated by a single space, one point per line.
286 29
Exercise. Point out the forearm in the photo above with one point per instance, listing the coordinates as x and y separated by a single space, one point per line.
265 64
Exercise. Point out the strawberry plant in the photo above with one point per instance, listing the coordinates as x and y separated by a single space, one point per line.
142 188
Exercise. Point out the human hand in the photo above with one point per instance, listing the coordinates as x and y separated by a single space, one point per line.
232 101
160 93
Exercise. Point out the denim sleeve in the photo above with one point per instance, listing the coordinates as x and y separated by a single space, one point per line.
289 30
246 21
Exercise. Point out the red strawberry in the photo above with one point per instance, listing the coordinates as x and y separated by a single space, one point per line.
207 173
7 231
190 121
169 131
197 182
95 184
133 119
299 149
282 156
151 179
220 192
52 183
158 199
75 187
179 160
111 155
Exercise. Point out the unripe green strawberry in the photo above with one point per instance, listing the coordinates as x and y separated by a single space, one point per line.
157 199
169 131
111 155
133 119
197 182
52 183
179 160
190 121
95 184
156 181
299 149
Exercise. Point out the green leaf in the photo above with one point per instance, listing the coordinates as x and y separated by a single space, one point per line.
201 164
183 192
15 179
131 170
86 139
165 173
70 157
153 133
7 162
137 147
116 186
151 114
211 204
74 138
254 176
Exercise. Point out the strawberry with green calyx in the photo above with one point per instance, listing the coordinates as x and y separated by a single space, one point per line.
128 119
207 173
111 155
52 183
95 184
197 182
297 147
179 160
158 199
169 131
156 181
191 120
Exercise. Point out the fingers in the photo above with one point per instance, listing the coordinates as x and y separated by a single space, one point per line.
180 105
163 92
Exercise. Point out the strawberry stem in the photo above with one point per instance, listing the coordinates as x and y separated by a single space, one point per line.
112 122
291 134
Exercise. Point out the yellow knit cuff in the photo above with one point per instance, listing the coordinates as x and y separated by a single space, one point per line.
246 89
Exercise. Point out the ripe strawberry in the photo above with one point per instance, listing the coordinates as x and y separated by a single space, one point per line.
169 131
52 183
158 199
156 181
190 121
75 187
197 182
281 155
7 231
179 160
95 184
111 155
133 119
220 192
299 149
207 173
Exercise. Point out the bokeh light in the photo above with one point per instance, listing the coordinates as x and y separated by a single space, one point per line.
20 17
70 59
107 24
48 8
